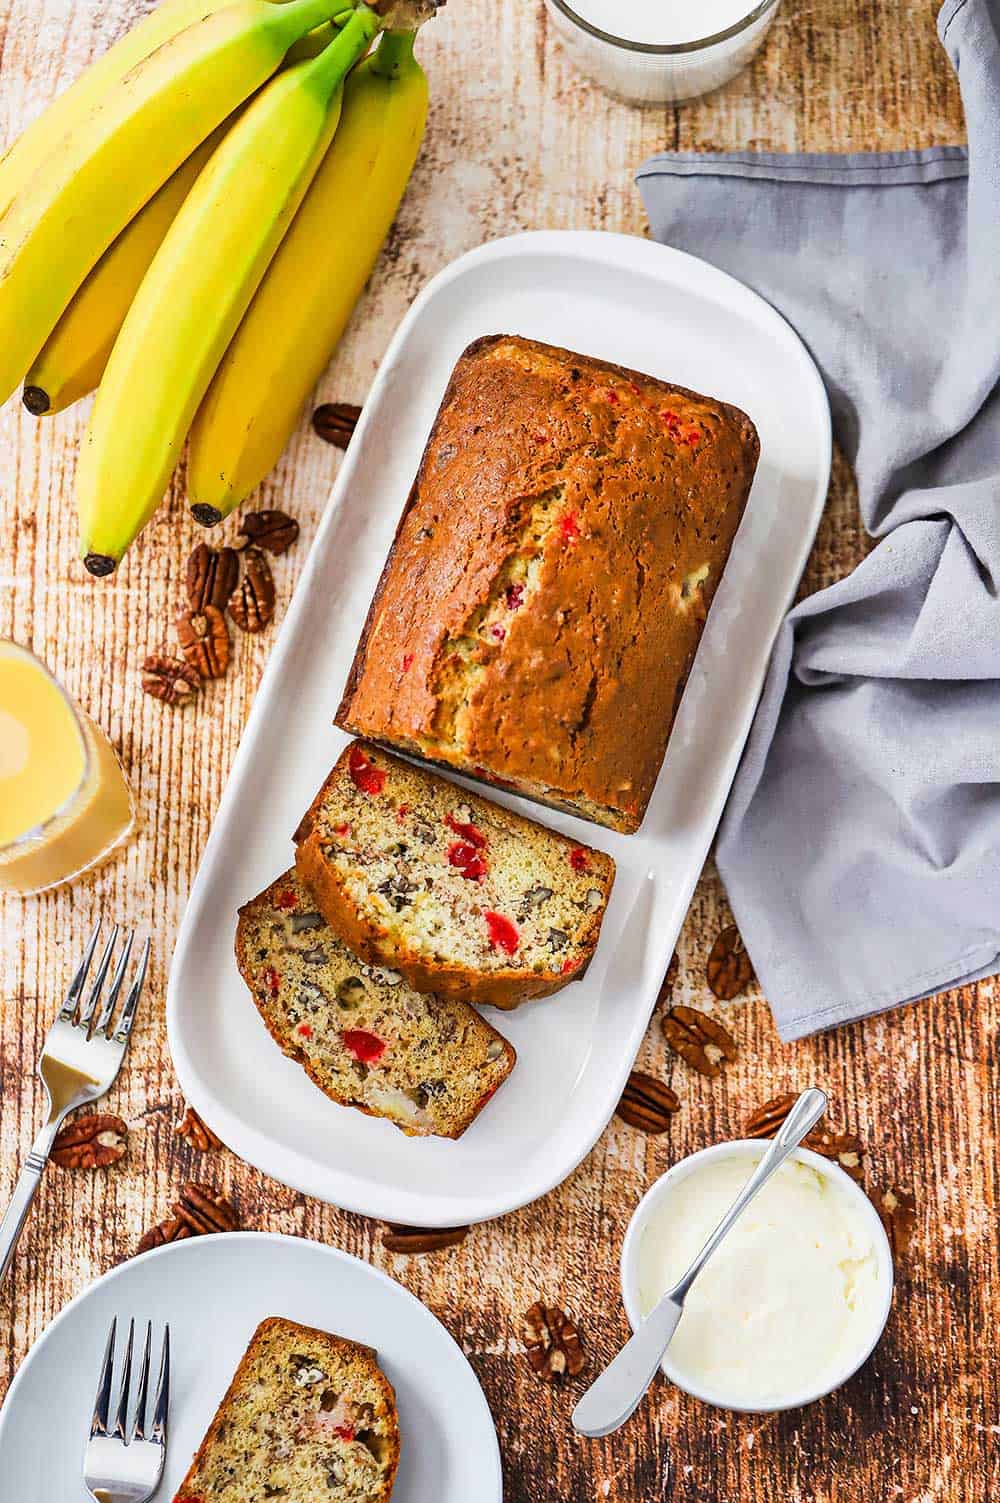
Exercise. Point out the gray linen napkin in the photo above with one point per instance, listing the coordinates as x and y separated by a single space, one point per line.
861 845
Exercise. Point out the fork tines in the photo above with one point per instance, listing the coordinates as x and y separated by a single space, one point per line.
143 1424
82 1014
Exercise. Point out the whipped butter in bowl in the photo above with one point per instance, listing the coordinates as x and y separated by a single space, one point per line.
793 1301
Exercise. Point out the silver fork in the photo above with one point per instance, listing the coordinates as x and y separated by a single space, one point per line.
124 1459
81 1057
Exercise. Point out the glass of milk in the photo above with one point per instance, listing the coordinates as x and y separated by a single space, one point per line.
660 51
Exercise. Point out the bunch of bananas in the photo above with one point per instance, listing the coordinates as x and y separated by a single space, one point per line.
188 228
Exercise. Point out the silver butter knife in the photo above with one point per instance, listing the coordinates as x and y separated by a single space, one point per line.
610 1400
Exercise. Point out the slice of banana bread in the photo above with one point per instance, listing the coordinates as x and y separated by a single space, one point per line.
429 1064
464 897
308 1417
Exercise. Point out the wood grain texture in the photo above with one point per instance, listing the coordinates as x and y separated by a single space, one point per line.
516 141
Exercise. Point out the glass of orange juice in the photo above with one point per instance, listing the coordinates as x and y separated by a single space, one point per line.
64 802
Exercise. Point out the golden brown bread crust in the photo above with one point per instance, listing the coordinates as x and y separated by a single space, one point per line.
544 598
504 988
276 1325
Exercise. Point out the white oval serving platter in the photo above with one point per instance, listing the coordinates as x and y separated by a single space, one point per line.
213 1292
640 305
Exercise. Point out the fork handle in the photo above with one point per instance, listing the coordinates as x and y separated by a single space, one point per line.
24 1193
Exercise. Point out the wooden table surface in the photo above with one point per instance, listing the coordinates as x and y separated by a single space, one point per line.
516 141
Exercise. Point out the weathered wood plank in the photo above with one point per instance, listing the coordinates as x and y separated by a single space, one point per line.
516 141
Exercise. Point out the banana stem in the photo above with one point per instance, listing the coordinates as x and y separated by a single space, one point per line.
395 52
334 63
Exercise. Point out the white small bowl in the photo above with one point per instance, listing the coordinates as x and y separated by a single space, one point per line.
754 1148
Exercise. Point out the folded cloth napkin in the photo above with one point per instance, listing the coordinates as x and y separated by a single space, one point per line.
861 845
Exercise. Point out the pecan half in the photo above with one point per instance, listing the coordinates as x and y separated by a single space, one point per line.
204 1210
336 422
700 1040
669 982
898 1212
196 1132
843 1147
170 679
552 1342
90 1142
729 971
212 575
204 640
274 531
647 1103
252 607
170 1230
418 1239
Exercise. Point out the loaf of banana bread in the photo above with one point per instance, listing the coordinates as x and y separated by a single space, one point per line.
308 1416
428 1064
541 607
464 897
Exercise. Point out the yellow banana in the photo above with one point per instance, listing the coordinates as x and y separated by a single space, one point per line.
99 177
197 289
72 360
26 154
303 304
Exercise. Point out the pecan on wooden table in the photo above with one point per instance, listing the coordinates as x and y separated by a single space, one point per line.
700 1040
647 1103
204 639
90 1142
552 1342
728 971
274 531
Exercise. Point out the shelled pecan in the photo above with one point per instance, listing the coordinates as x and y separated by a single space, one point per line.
398 1238
196 1132
90 1142
199 1210
170 1230
666 992
729 971
170 679
647 1103
898 1212
274 531
700 1040
843 1147
205 1210
211 577
204 640
336 421
552 1341
252 606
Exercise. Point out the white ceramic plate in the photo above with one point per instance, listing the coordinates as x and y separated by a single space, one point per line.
214 1291
640 305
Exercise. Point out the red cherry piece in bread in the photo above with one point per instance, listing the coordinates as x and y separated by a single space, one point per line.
346 1432
468 832
365 1046
272 980
503 934
407 661
569 527
365 776
342 829
578 860
569 965
514 596
286 899
305 1030
468 860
